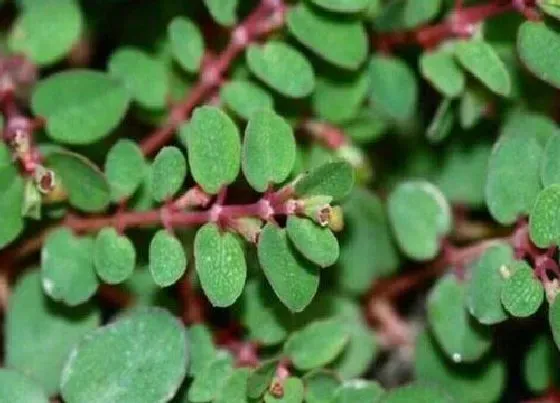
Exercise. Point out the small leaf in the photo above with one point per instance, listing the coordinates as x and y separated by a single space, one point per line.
522 293
420 216
294 280
114 256
41 354
417 393
334 179
89 105
482 61
320 386
87 187
393 87
67 267
544 220
261 378
223 11
293 392
539 59
202 350
33 33
168 173
214 148
485 285
317 344
187 44
342 42
282 68
316 243
269 150
147 349
208 383
461 338
441 70
143 76
244 98
442 122
343 6
167 258
17 388
220 265
359 390
125 169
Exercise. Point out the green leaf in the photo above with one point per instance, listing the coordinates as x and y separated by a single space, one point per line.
261 378
441 70
168 173
114 256
442 122
125 168
367 251
262 314
479 382
187 44
140 357
420 216
282 68
545 218
320 386
220 265
522 293
214 148
482 61
484 289
40 355
511 191
294 280
269 150
317 344
144 76
223 11
12 190
461 338
358 390
343 6
80 106
393 87
17 388
539 59
550 165
202 349
167 258
244 98
235 389
540 365
87 187
46 31
208 382
316 243
67 267
334 179
293 392
420 393
342 42
339 99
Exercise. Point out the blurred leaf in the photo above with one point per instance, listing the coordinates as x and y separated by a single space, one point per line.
67 268
269 150
281 67
40 354
147 349
80 106
340 41
167 258
211 136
